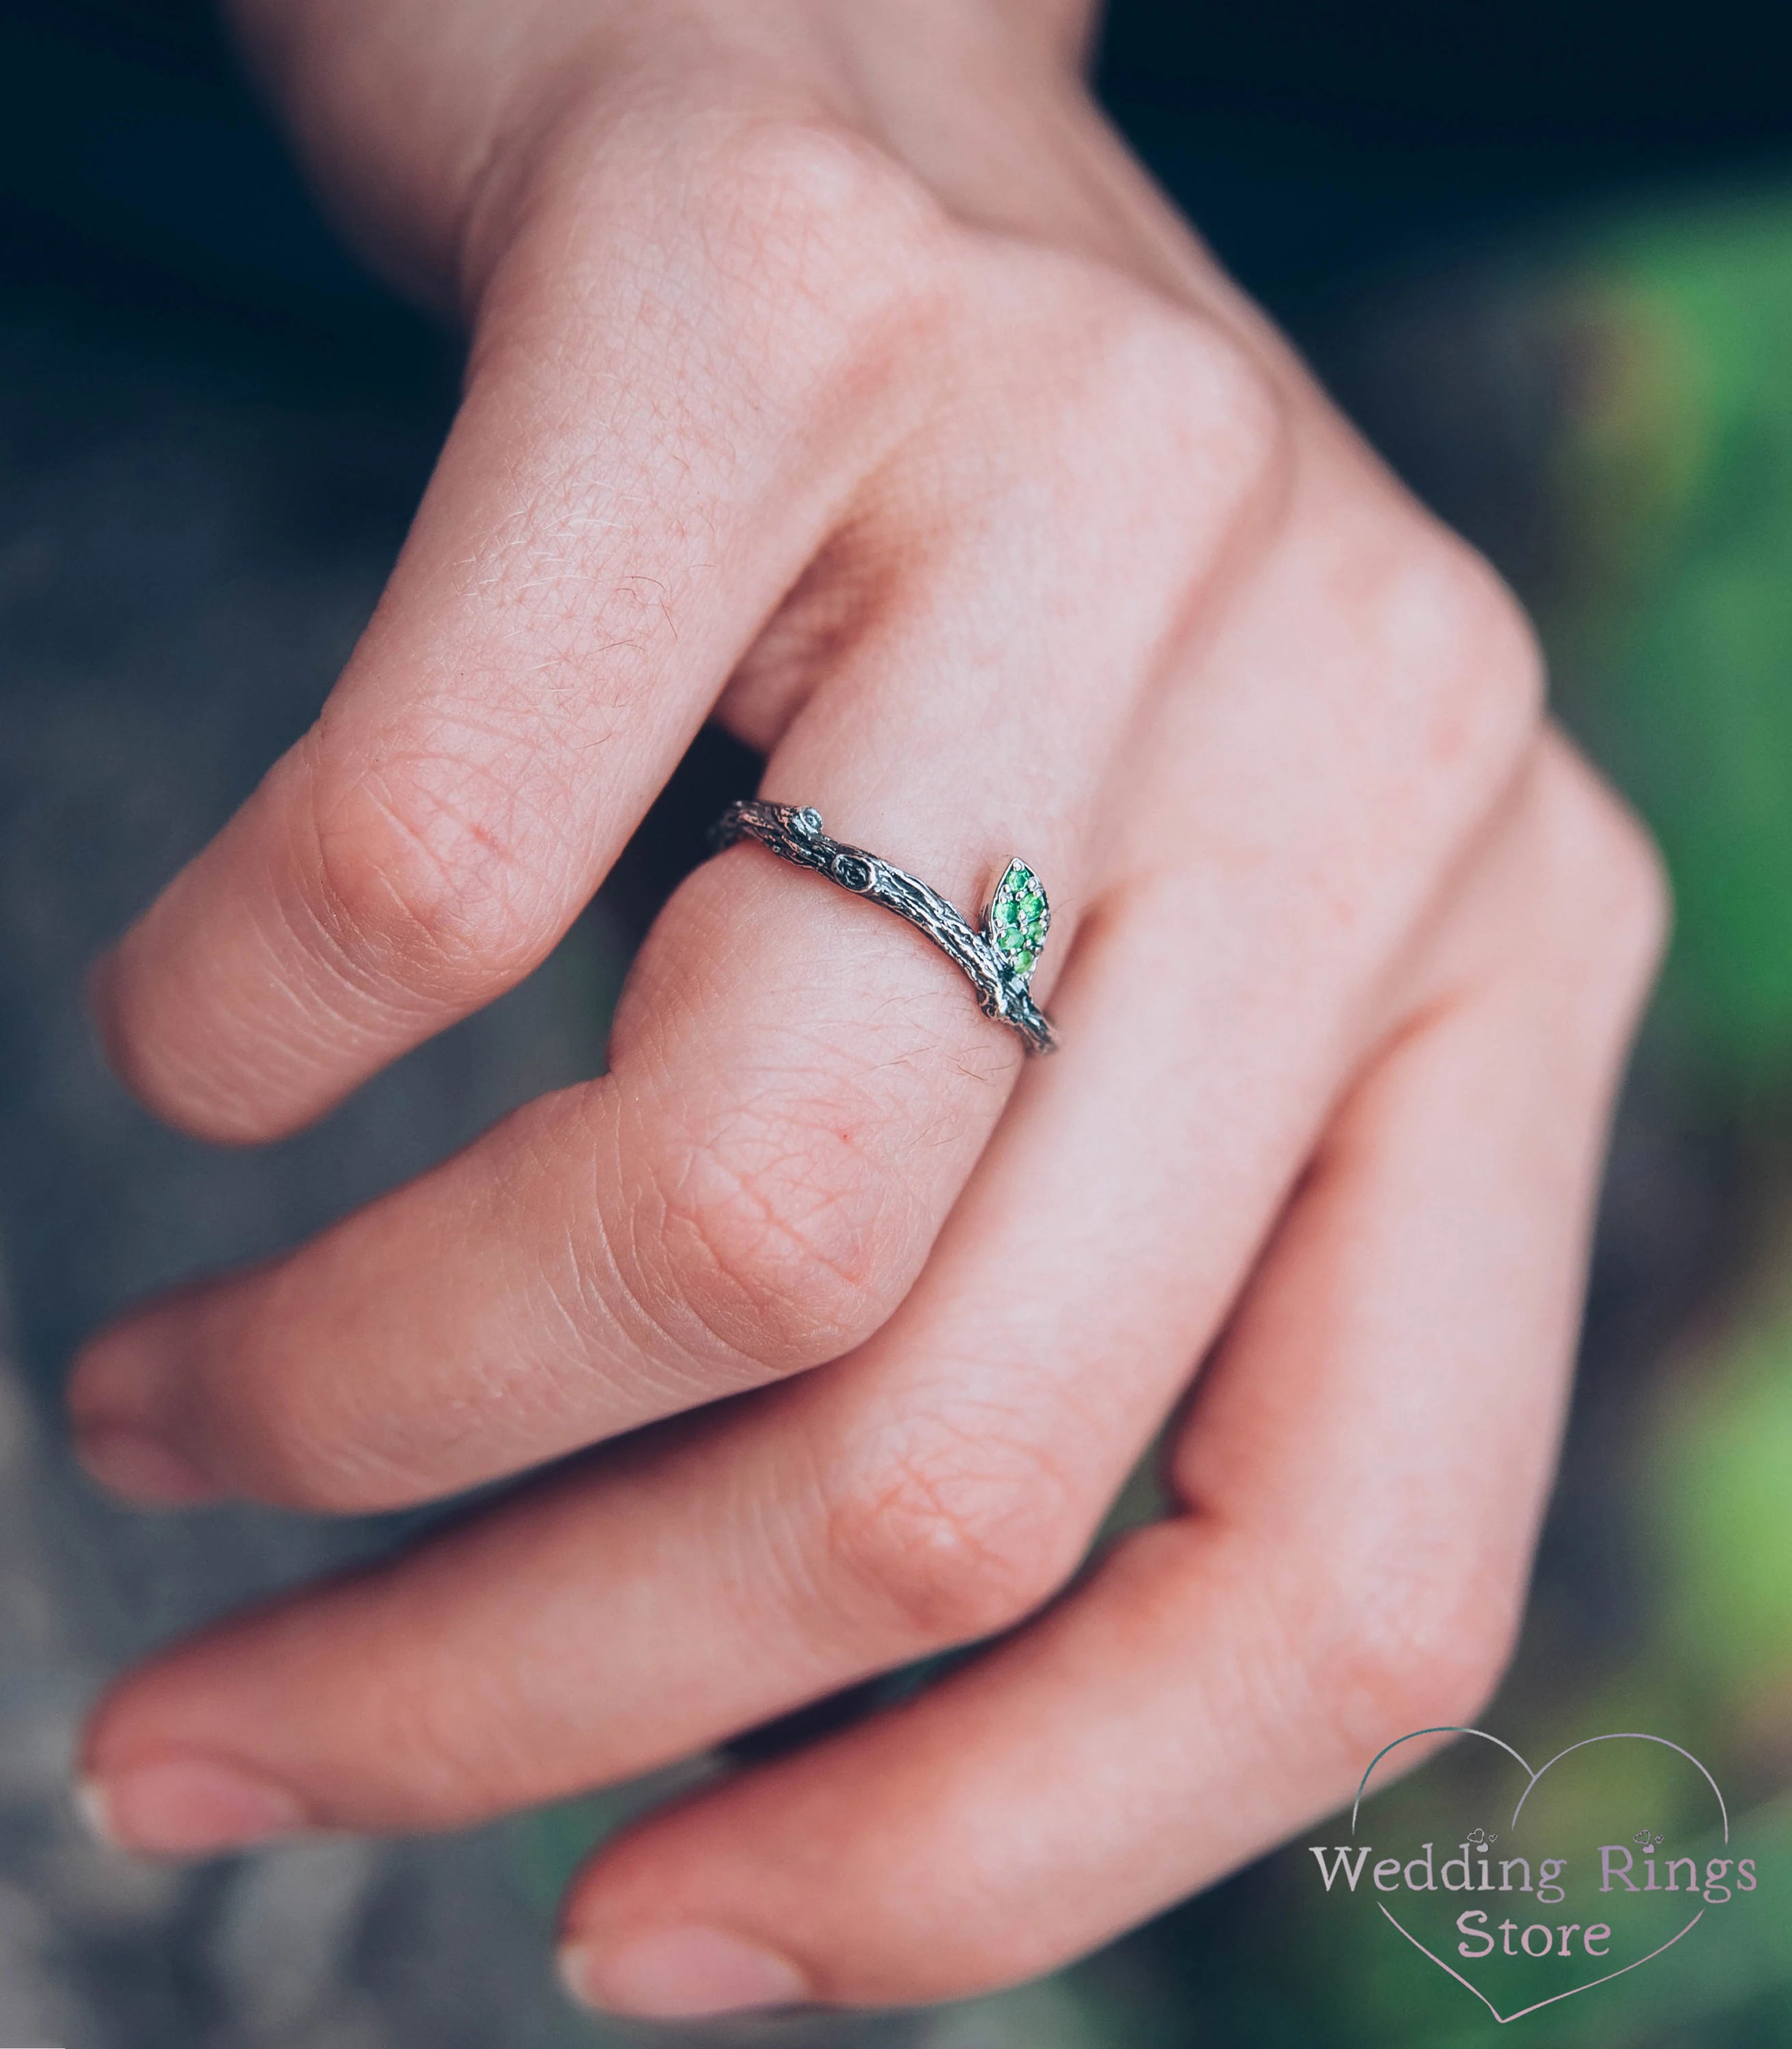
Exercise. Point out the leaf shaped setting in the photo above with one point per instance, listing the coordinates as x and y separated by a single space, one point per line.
1019 918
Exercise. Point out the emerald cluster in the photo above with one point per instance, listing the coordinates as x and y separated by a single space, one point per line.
1019 917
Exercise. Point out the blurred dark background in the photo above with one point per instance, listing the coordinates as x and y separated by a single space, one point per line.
1543 254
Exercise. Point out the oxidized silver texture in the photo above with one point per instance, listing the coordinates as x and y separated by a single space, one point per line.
795 835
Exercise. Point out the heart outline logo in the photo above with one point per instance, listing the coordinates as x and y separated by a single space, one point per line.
1531 1778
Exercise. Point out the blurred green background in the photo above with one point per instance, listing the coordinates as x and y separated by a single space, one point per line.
1658 335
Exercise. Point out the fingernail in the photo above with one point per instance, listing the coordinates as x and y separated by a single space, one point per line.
679 1974
141 1468
183 1806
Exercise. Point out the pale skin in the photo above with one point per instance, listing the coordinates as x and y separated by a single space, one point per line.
835 373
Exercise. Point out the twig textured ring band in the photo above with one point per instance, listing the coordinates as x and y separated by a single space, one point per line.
998 960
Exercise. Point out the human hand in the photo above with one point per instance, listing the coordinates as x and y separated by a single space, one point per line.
840 378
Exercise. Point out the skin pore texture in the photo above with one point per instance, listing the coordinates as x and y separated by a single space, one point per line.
834 373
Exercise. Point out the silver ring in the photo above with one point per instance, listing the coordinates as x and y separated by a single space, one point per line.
998 961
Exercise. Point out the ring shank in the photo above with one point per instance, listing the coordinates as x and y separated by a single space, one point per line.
794 834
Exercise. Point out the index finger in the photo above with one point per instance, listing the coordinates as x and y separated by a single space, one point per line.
652 441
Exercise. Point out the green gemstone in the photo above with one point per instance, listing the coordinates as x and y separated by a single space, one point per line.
1018 918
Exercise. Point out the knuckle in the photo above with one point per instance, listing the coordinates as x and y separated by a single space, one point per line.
1231 429
955 1524
802 178
1414 1648
1156 404
1610 883
420 873
774 1228
287 1434
445 1752
1498 669
827 253
296 1449
1638 898
1453 655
